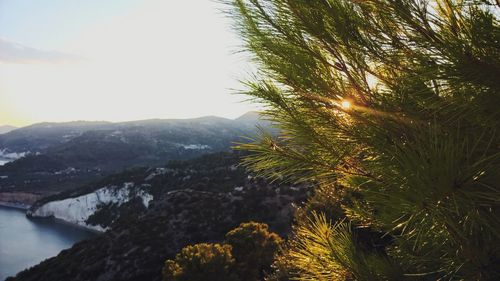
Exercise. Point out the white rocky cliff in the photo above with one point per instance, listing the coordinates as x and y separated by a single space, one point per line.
78 209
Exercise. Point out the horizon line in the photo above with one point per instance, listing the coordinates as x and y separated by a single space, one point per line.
127 121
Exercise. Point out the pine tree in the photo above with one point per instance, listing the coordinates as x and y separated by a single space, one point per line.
253 248
397 104
201 262
247 253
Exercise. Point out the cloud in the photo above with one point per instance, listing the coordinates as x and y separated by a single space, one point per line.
13 52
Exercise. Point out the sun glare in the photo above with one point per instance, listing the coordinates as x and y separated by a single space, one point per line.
345 104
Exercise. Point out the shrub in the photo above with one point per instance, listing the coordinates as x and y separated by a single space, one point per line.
201 262
254 247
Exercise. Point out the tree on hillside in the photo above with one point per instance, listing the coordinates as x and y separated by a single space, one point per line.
248 251
201 262
396 103
253 247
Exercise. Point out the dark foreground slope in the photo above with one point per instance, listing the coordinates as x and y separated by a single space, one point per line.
181 213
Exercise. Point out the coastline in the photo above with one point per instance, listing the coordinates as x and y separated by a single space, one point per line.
64 222
61 221
19 206
29 215
47 238
19 199
25 208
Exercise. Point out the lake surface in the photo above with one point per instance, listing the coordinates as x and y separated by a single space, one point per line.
26 242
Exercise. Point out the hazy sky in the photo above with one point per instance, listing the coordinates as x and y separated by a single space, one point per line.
117 60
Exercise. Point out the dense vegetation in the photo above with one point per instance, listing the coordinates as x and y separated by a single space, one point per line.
196 201
392 107
389 107
62 156
201 262
246 254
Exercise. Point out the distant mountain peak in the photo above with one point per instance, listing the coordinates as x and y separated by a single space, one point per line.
77 123
251 116
6 128
211 118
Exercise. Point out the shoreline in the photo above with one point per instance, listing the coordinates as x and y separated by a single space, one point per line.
19 199
61 221
19 206
65 222
25 208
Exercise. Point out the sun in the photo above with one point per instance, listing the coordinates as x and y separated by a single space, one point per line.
345 104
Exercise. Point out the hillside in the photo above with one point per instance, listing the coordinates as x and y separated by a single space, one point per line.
6 128
61 156
190 202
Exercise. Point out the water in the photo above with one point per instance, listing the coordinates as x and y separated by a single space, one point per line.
26 242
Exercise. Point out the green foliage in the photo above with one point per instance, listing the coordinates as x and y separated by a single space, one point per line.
417 152
249 250
322 251
201 262
254 247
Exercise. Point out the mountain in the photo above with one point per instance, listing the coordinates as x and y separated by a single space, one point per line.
212 172
151 213
6 128
61 156
42 136
37 137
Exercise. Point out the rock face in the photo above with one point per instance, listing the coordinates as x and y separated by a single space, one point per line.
18 199
192 202
78 210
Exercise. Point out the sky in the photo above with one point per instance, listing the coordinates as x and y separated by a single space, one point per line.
118 60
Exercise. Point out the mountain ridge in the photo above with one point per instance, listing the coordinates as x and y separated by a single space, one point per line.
7 128
61 156
191 201
104 122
